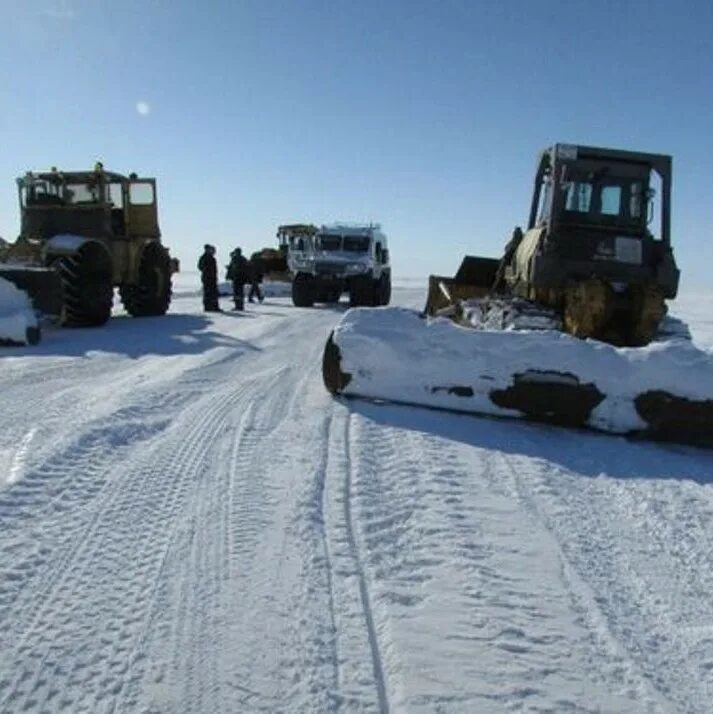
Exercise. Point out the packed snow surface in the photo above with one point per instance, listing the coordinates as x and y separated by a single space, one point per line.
16 314
190 523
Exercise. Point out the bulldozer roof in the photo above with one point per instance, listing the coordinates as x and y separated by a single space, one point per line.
297 228
571 152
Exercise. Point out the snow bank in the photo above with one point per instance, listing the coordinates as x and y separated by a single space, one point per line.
394 354
270 289
18 322
189 285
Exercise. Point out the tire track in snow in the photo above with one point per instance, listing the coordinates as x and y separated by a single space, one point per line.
638 598
610 654
363 589
90 568
360 675
450 528
200 568
235 566
58 495
321 521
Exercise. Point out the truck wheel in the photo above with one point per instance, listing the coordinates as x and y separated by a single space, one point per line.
303 292
86 286
361 292
152 294
384 290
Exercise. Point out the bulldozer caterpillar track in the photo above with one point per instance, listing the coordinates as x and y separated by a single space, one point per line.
587 308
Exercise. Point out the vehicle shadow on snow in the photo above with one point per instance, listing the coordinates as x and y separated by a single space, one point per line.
171 334
250 314
577 450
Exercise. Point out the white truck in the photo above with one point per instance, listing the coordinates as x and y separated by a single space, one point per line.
330 260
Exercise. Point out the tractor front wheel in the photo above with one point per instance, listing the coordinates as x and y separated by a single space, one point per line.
87 289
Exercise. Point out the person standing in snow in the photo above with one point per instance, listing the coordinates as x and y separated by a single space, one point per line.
238 273
209 278
256 273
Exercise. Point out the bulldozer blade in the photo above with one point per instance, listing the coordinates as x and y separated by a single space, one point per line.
474 279
393 355
42 285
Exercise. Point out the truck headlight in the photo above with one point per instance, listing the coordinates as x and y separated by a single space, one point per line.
357 267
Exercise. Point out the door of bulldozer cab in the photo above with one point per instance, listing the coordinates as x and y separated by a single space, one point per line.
141 209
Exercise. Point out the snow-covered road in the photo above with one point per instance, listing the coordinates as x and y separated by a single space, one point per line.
190 523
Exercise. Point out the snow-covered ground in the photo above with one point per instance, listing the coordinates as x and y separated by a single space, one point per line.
189 523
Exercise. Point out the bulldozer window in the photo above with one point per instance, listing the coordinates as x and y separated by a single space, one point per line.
578 196
614 199
611 200
545 207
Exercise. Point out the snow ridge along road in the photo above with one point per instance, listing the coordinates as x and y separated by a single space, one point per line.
188 522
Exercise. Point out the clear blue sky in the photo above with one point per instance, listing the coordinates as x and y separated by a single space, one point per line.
425 116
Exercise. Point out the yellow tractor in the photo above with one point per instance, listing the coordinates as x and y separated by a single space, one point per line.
82 234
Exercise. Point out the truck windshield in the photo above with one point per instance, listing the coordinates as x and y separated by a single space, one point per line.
356 244
327 242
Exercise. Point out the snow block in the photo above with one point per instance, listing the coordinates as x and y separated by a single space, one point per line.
18 321
663 391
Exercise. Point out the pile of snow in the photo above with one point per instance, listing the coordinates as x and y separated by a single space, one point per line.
494 313
18 322
188 284
395 355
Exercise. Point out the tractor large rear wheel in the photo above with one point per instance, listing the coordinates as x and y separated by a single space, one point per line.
86 286
151 295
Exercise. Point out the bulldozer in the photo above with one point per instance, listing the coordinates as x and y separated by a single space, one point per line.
568 327
82 234
272 263
589 253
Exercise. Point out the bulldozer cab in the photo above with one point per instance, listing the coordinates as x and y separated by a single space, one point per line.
593 189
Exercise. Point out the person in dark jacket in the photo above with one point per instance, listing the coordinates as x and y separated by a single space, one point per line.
256 273
209 278
239 274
